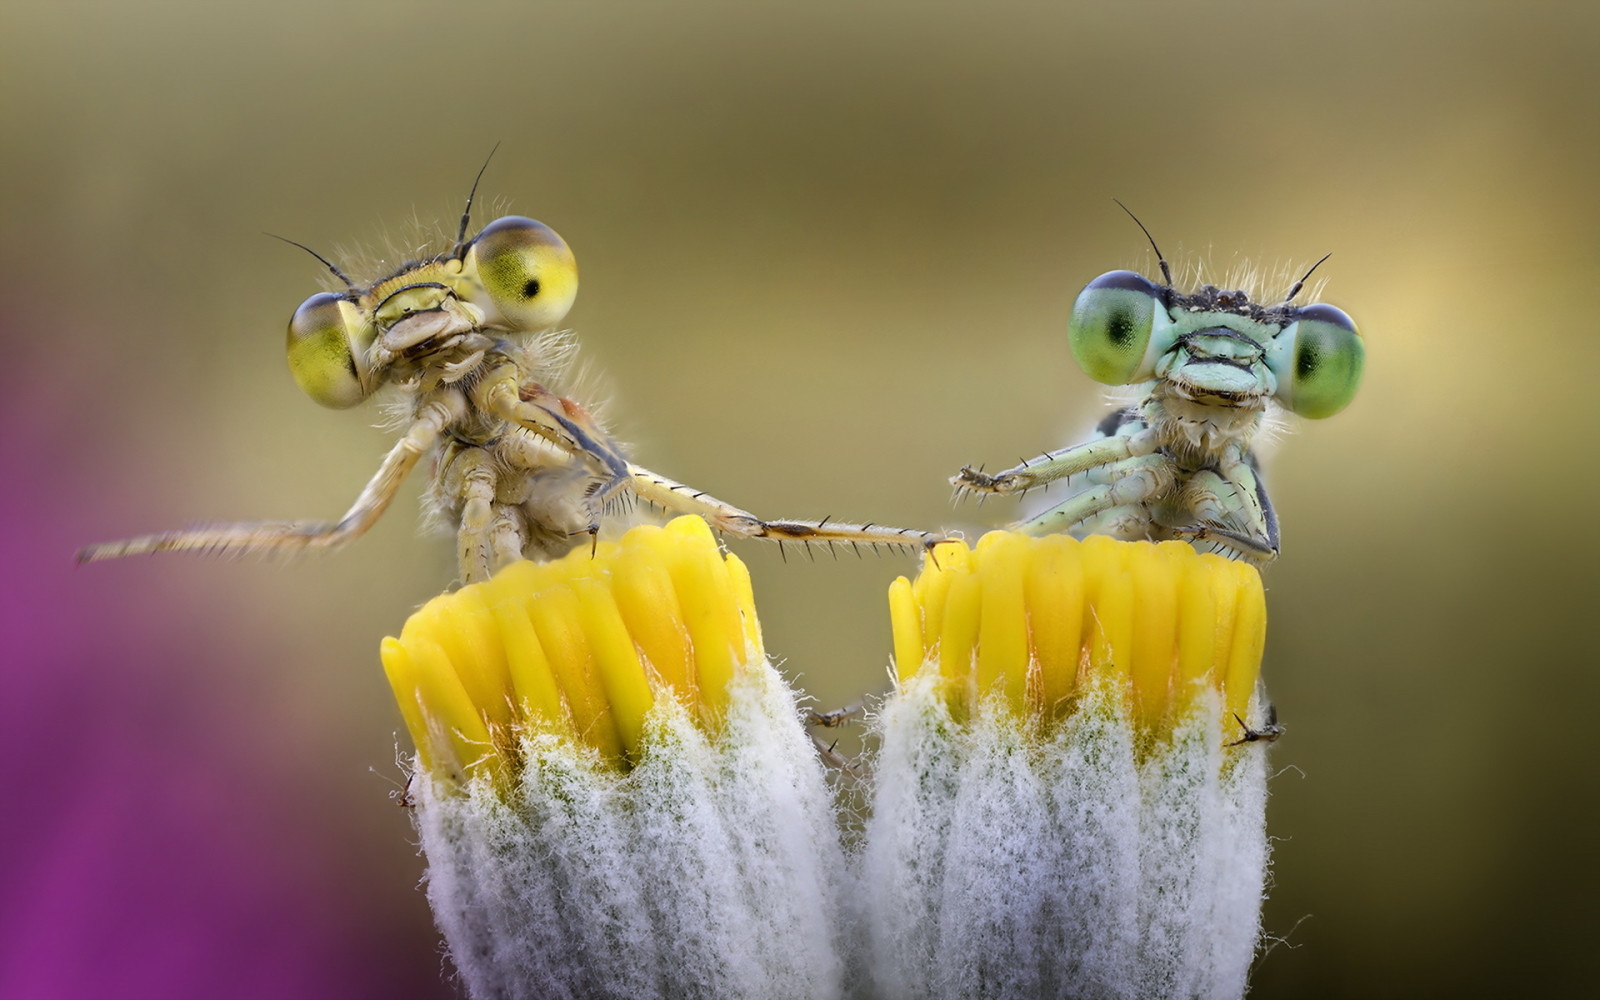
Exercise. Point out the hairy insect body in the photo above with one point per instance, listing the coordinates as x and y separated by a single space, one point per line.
1199 472
486 474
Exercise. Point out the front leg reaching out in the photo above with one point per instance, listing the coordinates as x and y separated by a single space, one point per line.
570 428
432 417
724 517
1055 465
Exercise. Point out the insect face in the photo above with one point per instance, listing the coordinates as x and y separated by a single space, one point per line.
515 276
1216 347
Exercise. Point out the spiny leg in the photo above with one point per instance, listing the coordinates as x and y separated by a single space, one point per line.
568 426
828 749
1056 465
1138 481
1270 728
1235 495
559 420
547 499
471 476
508 535
432 417
1131 523
725 517
835 718
565 424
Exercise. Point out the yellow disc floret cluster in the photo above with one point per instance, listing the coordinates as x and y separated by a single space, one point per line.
581 646
1034 619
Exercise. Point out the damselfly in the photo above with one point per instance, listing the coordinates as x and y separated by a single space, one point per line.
466 339
1179 462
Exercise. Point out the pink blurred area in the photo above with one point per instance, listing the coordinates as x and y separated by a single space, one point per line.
172 829
827 255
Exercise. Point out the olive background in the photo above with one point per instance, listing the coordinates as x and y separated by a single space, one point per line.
827 253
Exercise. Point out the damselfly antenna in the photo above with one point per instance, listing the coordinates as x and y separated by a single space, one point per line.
1166 272
466 213
1294 289
325 261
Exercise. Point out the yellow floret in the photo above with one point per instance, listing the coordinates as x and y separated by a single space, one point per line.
1032 619
581 646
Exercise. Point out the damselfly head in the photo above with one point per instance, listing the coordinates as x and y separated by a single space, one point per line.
515 276
1216 346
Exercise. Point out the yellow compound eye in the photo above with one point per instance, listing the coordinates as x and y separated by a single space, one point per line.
328 344
1318 360
526 273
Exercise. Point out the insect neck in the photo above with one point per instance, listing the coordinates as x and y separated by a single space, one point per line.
1198 434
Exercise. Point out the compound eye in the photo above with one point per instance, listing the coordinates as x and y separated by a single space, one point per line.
328 343
1111 325
526 272
1317 360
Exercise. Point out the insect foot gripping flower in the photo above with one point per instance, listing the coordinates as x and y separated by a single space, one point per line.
614 792
1060 808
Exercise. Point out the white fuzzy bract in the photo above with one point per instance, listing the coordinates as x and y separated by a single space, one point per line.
1000 862
710 869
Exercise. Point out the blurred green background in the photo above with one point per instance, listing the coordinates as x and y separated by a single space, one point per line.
828 252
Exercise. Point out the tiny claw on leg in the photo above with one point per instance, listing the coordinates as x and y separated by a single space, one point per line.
593 531
1268 733
1240 545
931 548
832 757
835 718
832 720
970 480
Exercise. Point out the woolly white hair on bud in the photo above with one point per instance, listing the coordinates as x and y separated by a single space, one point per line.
1203 860
775 798
903 862
996 902
1002 863
708 870
525 891
1094 796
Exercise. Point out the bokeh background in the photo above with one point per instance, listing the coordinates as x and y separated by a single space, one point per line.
828 251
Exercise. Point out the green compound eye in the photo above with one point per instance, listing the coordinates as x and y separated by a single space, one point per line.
526 272
327 347
1111 325
1317 360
